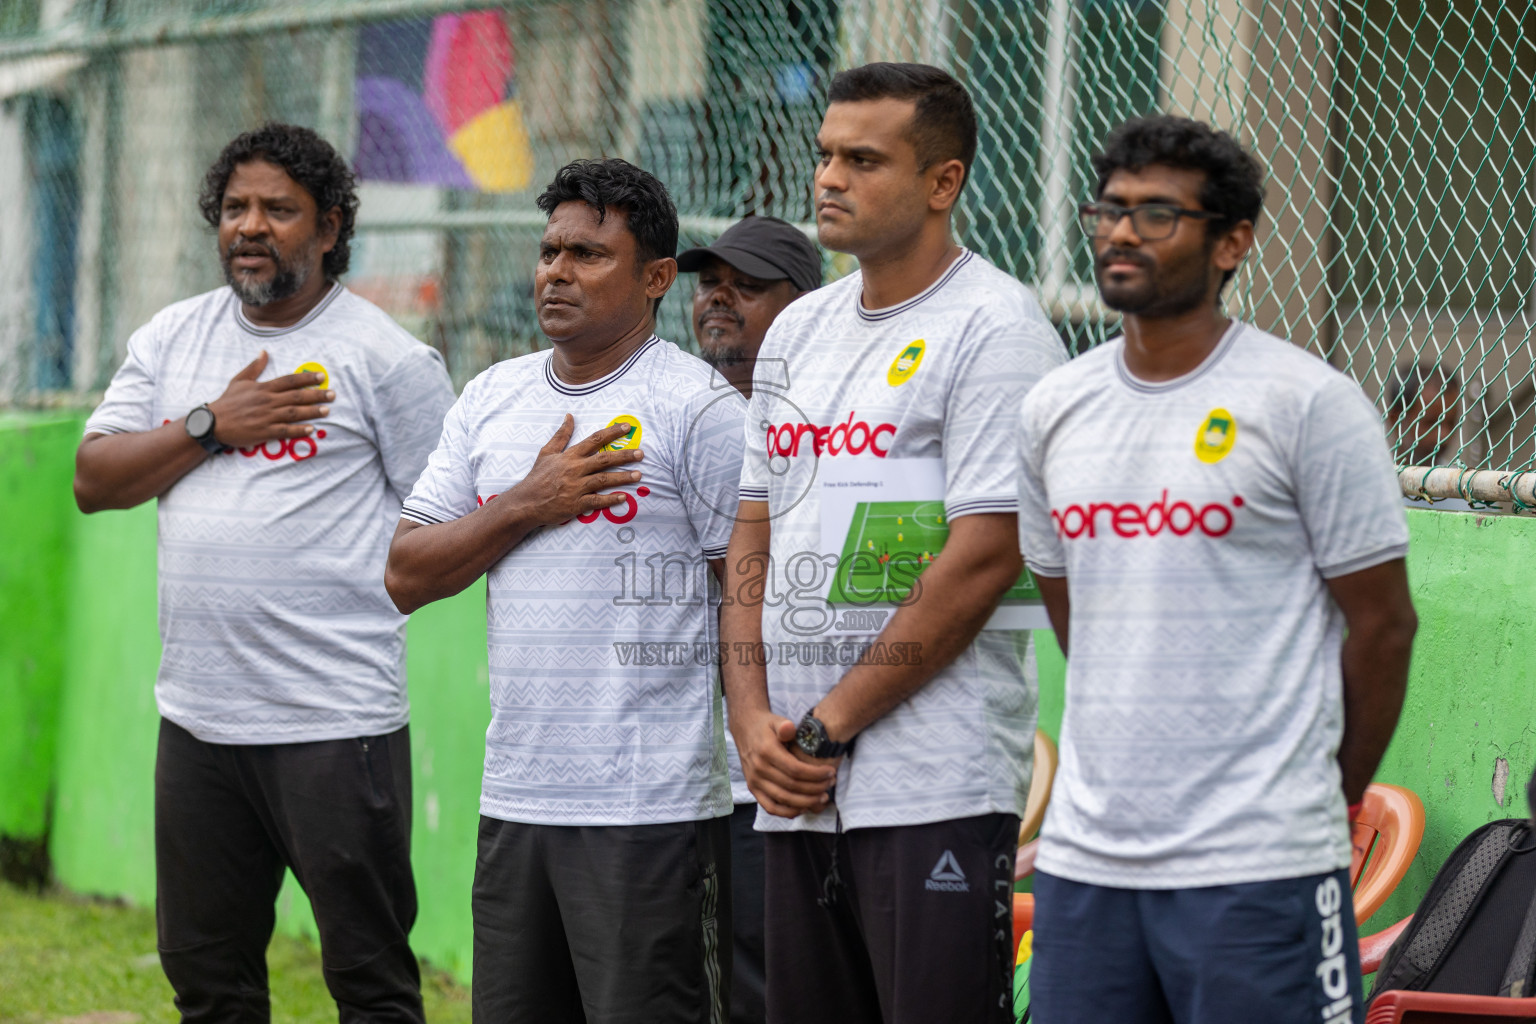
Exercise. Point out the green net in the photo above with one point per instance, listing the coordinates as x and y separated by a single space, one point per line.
1397 133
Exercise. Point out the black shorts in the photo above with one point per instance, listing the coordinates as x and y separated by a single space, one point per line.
608 923
748 987
915 924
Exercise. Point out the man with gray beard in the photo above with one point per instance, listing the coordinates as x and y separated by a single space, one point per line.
283 741
756 268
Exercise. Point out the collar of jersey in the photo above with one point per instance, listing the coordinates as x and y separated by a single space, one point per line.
309 318
875 316
601 382
1158 387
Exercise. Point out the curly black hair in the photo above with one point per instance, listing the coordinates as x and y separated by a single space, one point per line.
619 185
943 125
310 161
1234 178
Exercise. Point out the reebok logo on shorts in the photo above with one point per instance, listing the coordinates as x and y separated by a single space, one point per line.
946 876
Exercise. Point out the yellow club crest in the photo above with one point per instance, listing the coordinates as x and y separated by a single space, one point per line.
906 363
629 440
313 367
1216 436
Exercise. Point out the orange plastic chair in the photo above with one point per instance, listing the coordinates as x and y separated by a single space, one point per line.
1023 918
1046 759
1373 948
1397 1007
1039 787
1386 838
1040 783
1387 833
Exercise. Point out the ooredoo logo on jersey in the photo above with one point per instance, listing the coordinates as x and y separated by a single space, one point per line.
295 449
618 514
1129 520
851 437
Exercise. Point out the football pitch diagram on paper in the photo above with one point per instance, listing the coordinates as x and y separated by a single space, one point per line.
889 544
882 524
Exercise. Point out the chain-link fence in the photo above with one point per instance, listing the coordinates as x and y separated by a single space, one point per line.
1398 135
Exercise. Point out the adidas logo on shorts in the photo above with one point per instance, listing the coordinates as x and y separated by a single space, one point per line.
946 876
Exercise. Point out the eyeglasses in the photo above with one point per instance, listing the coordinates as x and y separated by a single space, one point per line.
1152 222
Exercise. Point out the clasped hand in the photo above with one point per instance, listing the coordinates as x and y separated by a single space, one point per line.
785 780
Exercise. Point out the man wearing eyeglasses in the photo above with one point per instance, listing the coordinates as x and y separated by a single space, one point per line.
1207 509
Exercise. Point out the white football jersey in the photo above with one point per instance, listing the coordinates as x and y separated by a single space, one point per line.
274 621
1197 522
605 701
939 376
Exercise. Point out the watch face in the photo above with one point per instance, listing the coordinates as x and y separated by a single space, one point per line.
199 422
807 739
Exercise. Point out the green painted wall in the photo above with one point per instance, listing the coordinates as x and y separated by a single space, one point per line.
1471 697
103 830
36 467
1472 689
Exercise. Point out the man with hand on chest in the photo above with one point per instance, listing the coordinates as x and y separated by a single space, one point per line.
283 737
602 882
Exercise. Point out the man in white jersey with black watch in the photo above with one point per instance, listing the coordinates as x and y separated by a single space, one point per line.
892 819
602 882
280 421
1207 509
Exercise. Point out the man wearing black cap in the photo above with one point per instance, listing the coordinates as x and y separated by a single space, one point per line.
755 269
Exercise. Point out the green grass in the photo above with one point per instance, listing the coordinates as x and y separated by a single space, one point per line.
64 956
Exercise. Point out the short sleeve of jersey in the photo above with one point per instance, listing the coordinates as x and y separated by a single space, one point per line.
128 405
999 364
1346 486
1038 541
445 491
712 467
412 400
754 459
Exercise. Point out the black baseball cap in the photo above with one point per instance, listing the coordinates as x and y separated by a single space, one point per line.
765 247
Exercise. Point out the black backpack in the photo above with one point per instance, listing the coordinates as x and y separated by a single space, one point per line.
1475 930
